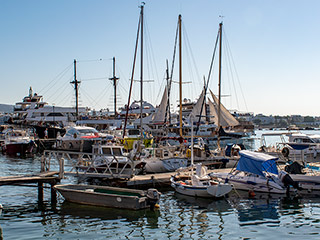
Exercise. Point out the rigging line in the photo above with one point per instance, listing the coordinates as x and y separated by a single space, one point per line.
58 77
63 100
230 76
92 60
237 76
209 75
93 79
89 97
152 60
159 92
191 53
102 93
60 93
55 92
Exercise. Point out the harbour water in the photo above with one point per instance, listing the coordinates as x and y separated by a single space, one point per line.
179 217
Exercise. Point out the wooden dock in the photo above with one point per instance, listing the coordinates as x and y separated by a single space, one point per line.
37 179
159 179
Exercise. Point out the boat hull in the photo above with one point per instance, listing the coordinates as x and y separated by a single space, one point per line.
104 196
213 191
156 165
255 184
18 149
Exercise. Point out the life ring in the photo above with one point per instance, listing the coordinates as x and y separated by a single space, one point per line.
188 153
285 152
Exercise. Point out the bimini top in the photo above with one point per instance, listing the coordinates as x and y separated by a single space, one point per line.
257 163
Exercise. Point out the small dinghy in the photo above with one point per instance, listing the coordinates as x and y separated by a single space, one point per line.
199 184
109 196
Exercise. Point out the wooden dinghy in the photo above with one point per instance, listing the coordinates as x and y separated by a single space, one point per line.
109 196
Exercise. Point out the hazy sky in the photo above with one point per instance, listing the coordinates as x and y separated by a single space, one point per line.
273 49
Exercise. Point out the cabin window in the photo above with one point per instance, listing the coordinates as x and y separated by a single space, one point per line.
165 153
106 151
55 114
158 153
117 151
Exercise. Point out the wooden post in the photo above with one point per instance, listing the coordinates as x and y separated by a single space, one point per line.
40 192
42 163
61 168
53 193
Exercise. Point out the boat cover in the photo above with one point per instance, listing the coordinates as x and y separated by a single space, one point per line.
257 163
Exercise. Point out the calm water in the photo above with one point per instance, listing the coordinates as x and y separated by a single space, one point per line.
179 217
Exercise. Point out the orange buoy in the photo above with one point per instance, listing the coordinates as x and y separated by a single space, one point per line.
251 193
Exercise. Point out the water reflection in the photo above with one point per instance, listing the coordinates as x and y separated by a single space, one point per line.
214 205
74 210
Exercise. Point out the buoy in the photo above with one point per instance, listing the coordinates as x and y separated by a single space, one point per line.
157 206
251 193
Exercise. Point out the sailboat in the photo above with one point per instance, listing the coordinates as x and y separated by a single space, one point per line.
198 183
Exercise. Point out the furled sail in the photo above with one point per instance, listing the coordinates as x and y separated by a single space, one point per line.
196 111
160 114
226 118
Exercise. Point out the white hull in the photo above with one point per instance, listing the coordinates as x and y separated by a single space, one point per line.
218 190
251 183
307 182
156 165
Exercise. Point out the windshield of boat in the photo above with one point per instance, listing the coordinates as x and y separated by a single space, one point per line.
315 138
87 131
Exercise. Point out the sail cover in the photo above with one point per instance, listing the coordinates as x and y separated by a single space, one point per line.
196 110
160 114
226 118
257 163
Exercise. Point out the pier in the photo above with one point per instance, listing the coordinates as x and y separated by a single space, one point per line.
35 180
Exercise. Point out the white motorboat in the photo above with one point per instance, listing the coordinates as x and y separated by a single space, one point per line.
162 159
257 172
18 142
199 184
78 138
110 157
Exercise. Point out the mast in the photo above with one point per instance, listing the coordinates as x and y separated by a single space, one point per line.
76 87
180 76
114 79
219 84
132 74
141 70
167 116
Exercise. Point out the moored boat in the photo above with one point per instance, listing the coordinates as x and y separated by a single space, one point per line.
17 142
257 172
199 184
109 196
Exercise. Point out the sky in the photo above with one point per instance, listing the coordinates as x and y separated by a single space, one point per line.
270 59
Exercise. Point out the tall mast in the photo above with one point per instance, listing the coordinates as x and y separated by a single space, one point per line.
167 116
219 84
114 79
132 74
180 76
141 70
76 85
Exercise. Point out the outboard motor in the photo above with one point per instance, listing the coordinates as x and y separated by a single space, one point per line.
288 181
294 168
153 196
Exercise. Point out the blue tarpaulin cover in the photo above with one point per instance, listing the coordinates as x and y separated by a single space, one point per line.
257 163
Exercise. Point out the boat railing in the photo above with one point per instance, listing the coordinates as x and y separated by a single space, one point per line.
87 165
